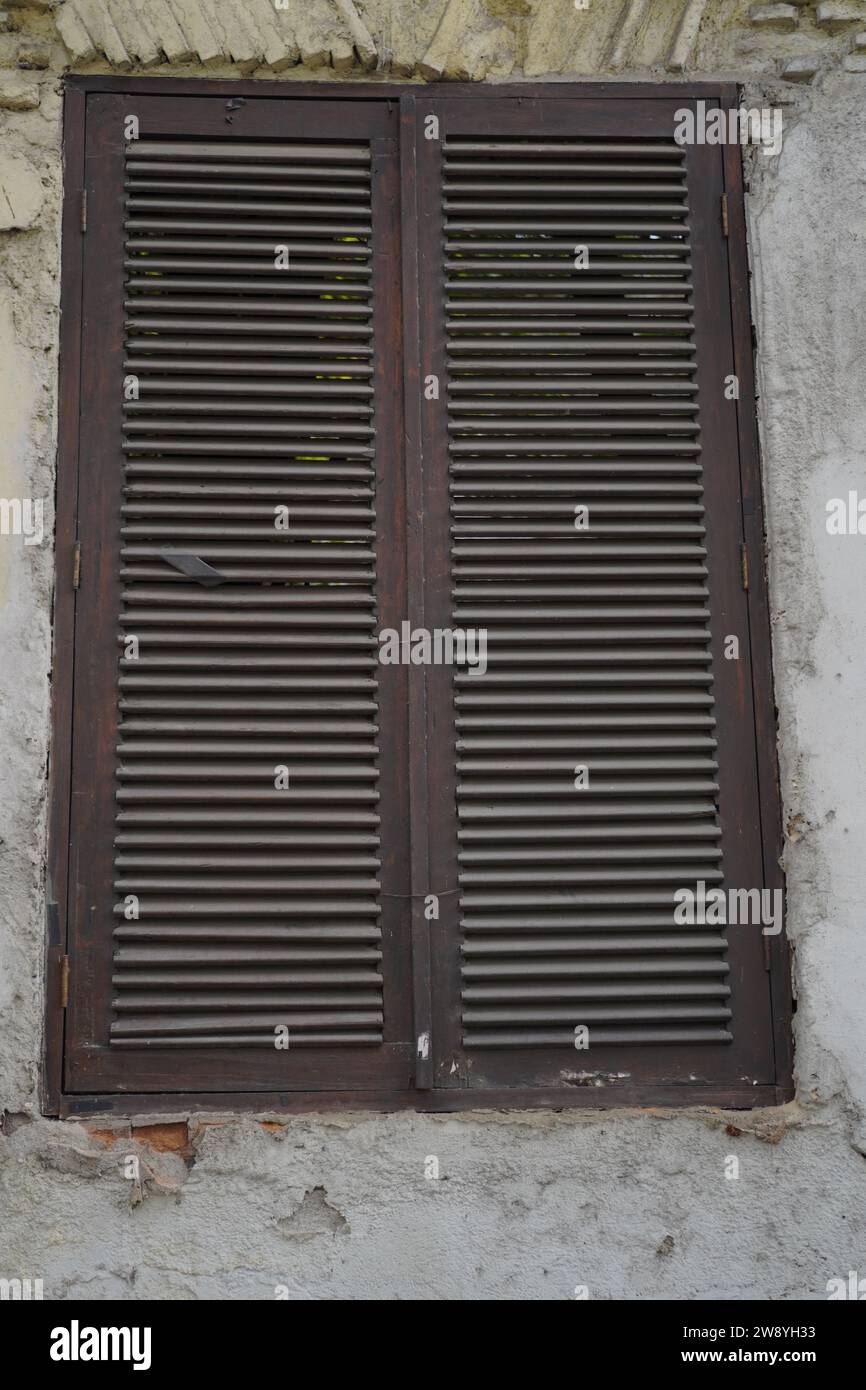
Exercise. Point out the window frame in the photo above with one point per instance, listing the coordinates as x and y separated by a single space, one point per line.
410 97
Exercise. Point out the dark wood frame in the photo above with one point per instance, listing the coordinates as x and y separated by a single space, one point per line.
760 636
737 314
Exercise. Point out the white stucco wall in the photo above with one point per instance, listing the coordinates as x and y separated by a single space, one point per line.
528 1205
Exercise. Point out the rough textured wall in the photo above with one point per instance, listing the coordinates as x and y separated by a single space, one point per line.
529 1205
466 39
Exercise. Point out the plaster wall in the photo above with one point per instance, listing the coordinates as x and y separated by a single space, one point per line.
529 1205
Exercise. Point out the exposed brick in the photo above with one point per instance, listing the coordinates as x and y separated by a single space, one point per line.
34 55
107 1136
74 34
164 1138
17 94
362 39
685 35
840 14
782 18
800 69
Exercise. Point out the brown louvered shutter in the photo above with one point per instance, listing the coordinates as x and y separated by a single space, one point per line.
424 879
564 387
239 826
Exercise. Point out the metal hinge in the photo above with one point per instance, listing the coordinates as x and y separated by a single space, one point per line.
64 981
744 566
725 225
84 210
76 565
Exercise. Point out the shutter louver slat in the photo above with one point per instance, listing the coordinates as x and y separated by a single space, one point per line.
258 906
576 387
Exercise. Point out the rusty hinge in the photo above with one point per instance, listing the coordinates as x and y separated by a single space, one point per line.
744 566
84 210
725 224
76 565
64 981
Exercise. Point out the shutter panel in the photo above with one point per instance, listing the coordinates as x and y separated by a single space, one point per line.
584 462
239 555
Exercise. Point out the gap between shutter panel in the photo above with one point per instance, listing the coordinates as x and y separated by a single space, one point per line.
416 527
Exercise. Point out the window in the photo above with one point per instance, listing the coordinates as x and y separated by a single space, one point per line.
412 645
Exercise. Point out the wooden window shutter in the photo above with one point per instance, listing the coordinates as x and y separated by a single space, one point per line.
238 839
583 503
459 359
